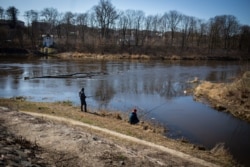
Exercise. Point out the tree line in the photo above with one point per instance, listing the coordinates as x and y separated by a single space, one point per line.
104 29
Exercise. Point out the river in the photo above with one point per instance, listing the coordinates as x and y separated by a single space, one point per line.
155 88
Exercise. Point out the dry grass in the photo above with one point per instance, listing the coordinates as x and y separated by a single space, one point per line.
116 121
232 97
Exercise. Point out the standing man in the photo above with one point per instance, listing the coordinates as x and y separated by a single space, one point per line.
83 100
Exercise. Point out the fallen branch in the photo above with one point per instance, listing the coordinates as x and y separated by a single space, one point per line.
74 75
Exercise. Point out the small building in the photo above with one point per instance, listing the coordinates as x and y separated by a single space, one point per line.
48 40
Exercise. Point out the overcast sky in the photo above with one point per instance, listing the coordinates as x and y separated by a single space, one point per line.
202 9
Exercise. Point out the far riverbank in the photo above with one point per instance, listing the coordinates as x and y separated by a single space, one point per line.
219 55
78 55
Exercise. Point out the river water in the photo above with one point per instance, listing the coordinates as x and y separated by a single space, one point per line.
155 88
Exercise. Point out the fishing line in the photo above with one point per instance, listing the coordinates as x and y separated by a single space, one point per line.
154 108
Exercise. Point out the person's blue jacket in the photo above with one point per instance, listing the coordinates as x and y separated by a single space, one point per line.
133 119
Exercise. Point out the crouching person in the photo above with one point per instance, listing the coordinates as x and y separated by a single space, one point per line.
133 119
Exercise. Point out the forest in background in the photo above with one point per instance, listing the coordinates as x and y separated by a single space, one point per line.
106 30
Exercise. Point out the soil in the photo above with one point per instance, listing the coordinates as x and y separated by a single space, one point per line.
233 98
40 139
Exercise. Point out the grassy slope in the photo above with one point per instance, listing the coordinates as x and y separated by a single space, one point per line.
118 122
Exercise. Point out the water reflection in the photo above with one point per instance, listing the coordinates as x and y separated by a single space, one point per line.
154 88
124 79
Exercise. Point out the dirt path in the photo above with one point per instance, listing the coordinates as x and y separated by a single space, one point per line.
66 142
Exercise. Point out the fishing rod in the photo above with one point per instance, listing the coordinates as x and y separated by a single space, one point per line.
90 96
93 96
152 109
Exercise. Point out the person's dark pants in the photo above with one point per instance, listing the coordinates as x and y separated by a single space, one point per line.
83 102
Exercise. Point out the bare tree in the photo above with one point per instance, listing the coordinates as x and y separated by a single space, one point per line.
17 30
156 23
192 30
173 18
214 34
230 27
139 17
130 14
222 29
149 27
152 29
202 29
12 14
244 42
123 27
31 17
1 13
49 15
59 25
92 22
69 18
3 32
106 15
93 32
69 21
185 25
82 21
163 26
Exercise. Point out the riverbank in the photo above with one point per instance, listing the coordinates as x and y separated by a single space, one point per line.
78 55
14 52
233 98
101 148
219 55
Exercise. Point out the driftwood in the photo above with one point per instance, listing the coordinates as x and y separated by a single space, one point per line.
196 80
74 75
